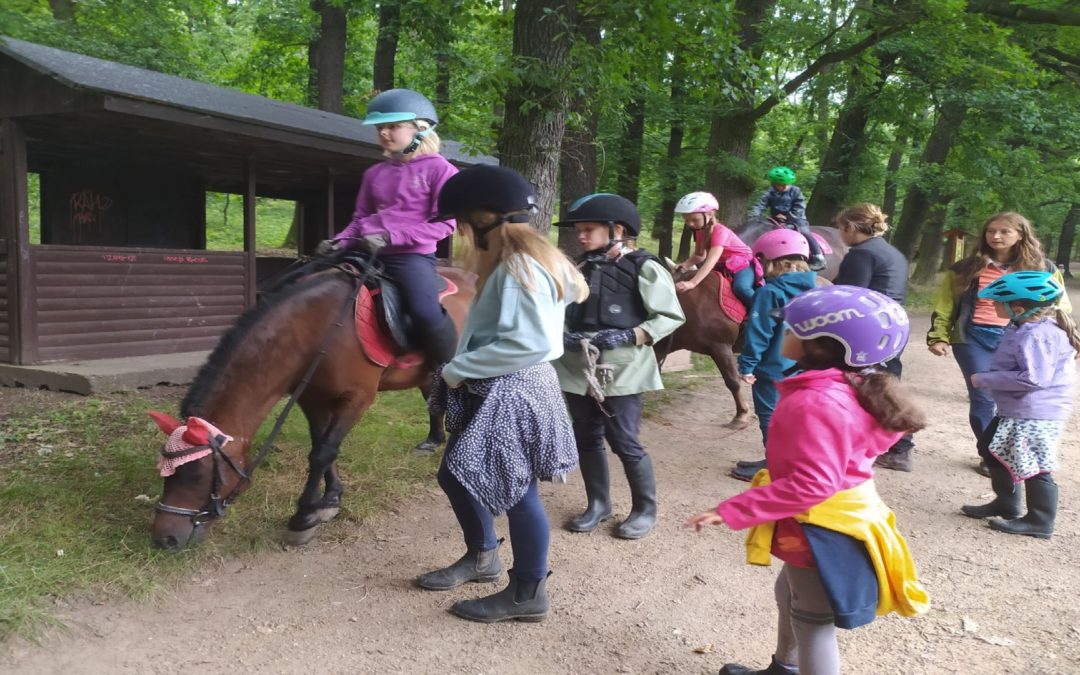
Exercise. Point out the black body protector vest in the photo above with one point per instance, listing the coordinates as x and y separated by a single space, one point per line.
614 300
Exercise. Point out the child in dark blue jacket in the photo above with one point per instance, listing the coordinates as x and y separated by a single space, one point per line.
784 255
786 204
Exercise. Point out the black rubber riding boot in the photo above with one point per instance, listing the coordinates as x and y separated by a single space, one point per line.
642 516
775 668
441 344
594 471
520 600
1042 504
475 565
747 470
1007 502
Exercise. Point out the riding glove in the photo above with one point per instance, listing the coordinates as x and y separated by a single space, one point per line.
614 337
571 342
326 248
375 242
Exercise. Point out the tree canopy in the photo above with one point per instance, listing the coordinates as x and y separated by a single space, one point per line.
944 111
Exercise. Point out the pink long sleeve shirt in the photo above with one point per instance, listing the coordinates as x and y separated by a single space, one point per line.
396 199
821 441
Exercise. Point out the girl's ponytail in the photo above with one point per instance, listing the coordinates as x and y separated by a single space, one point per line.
1065 322
878 392
882 395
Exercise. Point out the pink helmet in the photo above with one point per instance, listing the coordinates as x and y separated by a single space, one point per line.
697 202
779 243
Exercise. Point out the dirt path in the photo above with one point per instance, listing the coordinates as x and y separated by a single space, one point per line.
1001 604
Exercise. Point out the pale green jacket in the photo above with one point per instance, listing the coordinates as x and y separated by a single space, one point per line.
635 366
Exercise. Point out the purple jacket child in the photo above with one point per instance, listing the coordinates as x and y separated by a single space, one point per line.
396 199
1033 373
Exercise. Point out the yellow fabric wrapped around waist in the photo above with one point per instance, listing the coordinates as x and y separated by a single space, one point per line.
861 514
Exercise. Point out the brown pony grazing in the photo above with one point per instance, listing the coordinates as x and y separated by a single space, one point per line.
260 359
709 331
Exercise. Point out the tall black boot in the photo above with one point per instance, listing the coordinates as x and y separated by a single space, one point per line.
1042 504
775 668
520 600
594 471
1007 502
440 345
642 516
475 565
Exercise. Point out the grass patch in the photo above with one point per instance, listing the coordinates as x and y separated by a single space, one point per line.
78 483
921 298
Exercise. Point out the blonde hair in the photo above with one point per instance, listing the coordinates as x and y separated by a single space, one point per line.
864 218
430 144
784 265
1028 251
510 244
1063 319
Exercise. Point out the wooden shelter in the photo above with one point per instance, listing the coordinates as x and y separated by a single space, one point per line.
124 158
955 248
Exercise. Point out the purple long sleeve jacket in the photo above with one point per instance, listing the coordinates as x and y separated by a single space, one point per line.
396 199
1033 372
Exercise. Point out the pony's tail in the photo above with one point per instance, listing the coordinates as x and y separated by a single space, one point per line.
1065 322
887 401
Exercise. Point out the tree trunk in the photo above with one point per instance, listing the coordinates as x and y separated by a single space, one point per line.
888 200
386 44
577 158
329 56
535 120
663 224
846 147
1068 236
443 55
732 127
919 199
63 10
931 245
630 148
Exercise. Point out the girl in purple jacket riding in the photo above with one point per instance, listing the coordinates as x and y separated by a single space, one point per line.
1032 379
396 201
815 507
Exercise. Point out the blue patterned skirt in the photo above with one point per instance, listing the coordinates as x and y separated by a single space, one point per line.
510 430
1027 447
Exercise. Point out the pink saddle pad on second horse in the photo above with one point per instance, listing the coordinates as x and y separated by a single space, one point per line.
729 302
825 248
376 342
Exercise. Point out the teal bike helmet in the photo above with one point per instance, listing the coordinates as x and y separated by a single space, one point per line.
781 175
1027 286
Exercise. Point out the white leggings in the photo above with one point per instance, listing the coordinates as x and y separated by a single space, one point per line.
806 636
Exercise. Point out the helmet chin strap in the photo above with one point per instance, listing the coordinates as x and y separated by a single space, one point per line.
480 233
421 134
1017 317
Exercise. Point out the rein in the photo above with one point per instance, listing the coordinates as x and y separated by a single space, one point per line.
216 505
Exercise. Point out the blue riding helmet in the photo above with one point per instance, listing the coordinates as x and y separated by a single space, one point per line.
1026 286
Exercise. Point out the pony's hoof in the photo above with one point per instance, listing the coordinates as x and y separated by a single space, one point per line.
427 447
298 537
739 422
327 514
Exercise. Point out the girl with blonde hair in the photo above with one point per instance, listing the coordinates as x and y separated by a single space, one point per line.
504 410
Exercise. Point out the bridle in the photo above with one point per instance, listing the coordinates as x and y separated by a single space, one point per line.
216 504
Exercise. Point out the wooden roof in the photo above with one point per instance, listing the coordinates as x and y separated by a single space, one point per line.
76 106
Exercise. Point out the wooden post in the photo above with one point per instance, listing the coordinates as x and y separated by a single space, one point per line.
249 229
328 230
15 234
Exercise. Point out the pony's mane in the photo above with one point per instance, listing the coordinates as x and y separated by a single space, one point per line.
207 376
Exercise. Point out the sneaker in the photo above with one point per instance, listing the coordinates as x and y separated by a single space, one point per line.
745 471
897 460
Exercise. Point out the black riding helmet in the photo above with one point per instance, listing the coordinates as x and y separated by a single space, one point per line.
495 188
603 207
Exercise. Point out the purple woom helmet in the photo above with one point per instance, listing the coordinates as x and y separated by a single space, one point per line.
872 327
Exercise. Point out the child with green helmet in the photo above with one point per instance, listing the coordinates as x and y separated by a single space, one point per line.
1032 379
785 202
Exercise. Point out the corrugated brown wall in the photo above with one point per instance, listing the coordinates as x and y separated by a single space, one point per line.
102 303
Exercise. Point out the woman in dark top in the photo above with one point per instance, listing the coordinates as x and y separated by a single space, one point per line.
871 262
